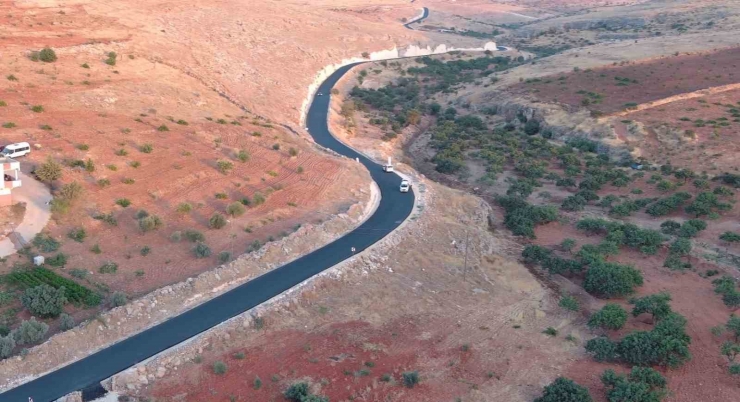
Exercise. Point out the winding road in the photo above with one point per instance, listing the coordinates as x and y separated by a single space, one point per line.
393 209
424 15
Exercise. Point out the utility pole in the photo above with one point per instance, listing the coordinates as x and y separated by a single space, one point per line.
465 266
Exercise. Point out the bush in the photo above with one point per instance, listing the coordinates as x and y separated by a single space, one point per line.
124 202
30 331
521 217
118 299
242 156
58 260
47 55
297 392
602 349
564 390
201 250
49 171
656 305
77 234
670 227
224 166
45 243
149 223
730 237
184 208
146 148
642 385
108 268
410 378
568 244
569 303
7 344
66 322
607 280
611 316
224 257
220 367
236 209
217 221
194 236
258 199
44 300
176 236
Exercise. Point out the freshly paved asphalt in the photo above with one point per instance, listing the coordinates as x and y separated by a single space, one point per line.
393 209
423 17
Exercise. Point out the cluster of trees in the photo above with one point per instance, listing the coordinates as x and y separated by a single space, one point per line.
688 229
522 217
667 344
602 279
300 392
731 349
447 74
627 234
706 203
668 205
643 384
29 332
727 287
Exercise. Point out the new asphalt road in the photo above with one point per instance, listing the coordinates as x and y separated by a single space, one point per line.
393 209
423 17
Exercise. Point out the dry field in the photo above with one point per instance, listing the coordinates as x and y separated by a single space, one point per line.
162 109
405 306
616 88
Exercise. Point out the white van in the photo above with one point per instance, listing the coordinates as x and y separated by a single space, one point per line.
16 150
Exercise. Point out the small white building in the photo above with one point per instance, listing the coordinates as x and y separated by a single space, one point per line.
10 172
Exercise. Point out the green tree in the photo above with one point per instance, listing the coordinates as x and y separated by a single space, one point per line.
733 325
730 237
47 55
236 209
217 221
564 390
44 300
606 280
7 344
730 350
611 316
30 331
642 385
656 305
603 349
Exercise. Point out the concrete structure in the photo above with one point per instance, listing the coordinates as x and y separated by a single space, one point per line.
10 174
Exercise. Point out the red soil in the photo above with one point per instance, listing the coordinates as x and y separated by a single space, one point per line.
655 79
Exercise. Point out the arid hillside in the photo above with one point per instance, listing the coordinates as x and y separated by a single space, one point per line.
168 135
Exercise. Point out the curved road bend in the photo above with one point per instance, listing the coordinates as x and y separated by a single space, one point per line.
393 209
423 17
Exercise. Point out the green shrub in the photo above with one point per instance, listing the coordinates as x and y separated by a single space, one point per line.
77 234
163 127
111 60
47 55
657 305
66 322
550 331
29 332
194 236
108 268
570 303
224 166
602 349
258 199
201 250
611 316
730 237
44 300
243 156
642 385
45 243
124 202
146 148
48 171
220 367
150 223
607 280
297 392
58 260
184 208
176 236
236 209
564 390
410 378
7 344
224 257
118 299
217 221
